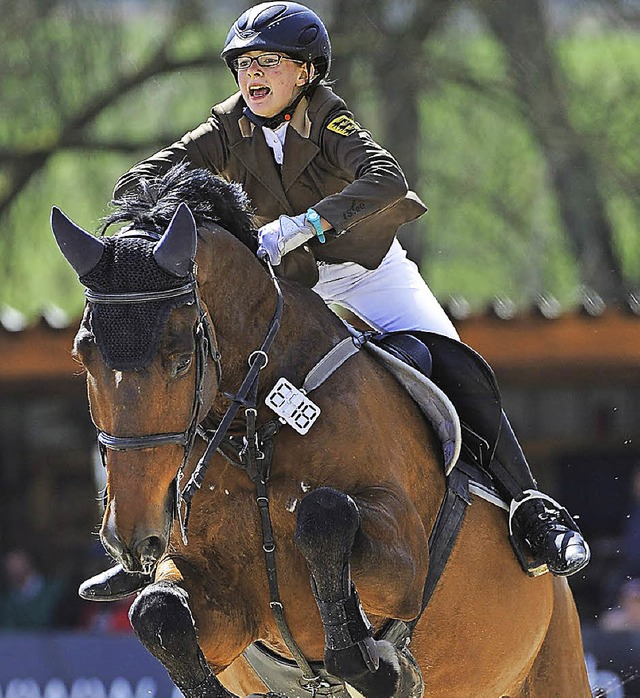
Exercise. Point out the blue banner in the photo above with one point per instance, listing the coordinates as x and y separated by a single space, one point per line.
79 665
90 665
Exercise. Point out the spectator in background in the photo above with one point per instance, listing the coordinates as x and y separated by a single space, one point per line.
630 548
107 617
626 616
29 600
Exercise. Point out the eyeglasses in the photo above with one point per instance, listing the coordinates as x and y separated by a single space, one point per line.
264 60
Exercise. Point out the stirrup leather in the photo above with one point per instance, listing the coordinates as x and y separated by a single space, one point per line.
532 565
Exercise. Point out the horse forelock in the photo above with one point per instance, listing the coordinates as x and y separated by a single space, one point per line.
128 334
212 200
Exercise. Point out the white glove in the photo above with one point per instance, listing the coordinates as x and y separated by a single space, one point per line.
281 236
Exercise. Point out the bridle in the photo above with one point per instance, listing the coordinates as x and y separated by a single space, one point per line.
205 346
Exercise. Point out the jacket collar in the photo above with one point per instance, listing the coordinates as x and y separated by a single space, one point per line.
299 149
256 156
299 121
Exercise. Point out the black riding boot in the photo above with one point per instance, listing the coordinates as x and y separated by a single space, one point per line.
542 533
552 539
113 584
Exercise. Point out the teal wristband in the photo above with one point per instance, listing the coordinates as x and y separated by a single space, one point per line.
314 218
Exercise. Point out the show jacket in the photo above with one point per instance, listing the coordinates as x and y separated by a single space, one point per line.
330 164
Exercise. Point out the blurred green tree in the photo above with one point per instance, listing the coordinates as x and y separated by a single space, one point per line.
530 173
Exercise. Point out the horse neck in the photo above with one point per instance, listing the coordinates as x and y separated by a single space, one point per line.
242 298
239 298
308 331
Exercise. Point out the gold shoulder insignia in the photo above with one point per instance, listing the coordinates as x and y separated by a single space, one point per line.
343 125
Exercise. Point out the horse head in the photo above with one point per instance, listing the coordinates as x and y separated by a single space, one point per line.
150 355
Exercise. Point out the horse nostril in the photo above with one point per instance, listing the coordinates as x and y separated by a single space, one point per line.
149 550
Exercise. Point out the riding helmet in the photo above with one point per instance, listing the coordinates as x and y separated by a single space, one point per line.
287 27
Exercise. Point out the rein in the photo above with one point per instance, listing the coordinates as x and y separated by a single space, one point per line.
247 397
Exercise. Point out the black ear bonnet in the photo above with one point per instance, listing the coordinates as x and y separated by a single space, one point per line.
128 334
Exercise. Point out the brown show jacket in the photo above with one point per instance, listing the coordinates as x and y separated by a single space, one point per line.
350 180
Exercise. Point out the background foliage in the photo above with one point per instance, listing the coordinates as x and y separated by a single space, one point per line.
527 158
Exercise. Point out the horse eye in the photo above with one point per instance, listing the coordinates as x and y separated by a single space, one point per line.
182 364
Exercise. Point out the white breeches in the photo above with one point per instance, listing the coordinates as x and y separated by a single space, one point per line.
394 296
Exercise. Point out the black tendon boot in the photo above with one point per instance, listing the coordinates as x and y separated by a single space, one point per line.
113 584
548 532
374 667
543 535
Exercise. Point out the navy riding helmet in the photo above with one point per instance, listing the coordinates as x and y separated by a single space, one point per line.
286 27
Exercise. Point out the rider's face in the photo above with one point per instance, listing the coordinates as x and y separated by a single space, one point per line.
269 90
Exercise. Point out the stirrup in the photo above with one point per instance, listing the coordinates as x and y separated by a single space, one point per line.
537 564
411 682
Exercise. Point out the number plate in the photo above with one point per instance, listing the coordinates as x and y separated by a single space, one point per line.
292 406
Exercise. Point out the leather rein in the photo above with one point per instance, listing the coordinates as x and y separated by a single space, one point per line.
254 461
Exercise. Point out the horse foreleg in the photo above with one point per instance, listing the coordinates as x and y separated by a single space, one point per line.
327 524
162 620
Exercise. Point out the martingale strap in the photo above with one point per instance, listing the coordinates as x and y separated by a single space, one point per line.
245 396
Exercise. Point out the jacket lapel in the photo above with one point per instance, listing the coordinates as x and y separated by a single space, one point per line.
298 153
254 153
299 150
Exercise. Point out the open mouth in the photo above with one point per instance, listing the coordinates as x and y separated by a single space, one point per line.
259 91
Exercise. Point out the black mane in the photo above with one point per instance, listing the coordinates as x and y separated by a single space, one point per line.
151 204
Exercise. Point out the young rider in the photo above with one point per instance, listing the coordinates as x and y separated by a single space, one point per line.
329 201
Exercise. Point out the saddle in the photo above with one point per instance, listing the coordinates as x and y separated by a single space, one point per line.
409 361
455 371
407 347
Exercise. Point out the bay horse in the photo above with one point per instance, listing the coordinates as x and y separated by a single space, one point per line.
303 539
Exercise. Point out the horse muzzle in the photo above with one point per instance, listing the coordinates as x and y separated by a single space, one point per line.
140 554
148 551
141 550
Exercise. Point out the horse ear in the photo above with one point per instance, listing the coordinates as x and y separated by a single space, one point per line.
176 250
81 249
